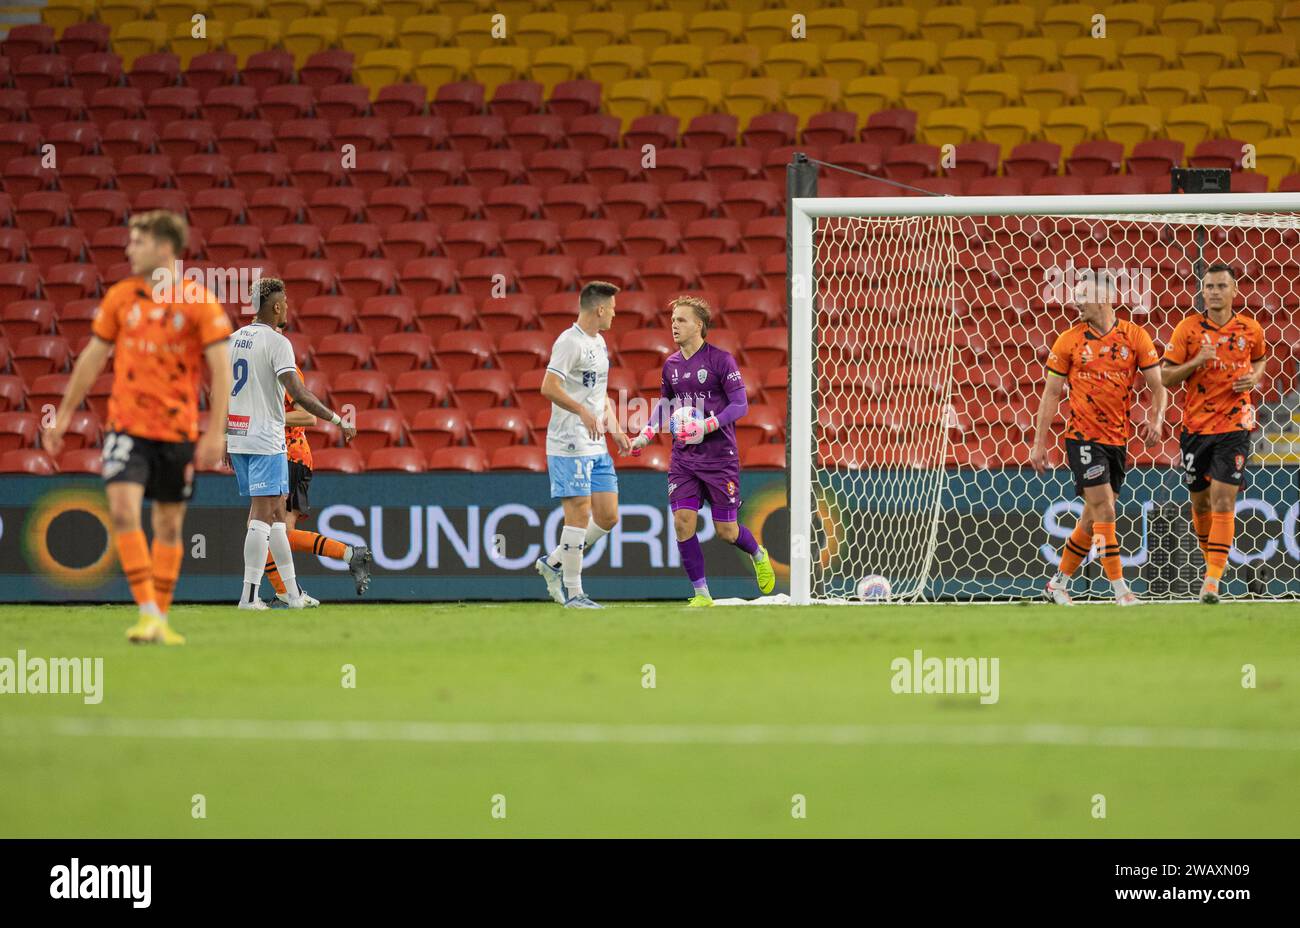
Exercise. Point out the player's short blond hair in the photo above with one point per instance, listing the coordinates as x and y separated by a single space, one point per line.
164 226
699 307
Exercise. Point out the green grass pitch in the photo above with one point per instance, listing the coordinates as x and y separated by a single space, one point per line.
454 705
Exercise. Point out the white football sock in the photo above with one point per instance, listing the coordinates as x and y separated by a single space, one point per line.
282 552
594 534
571 550
347 554
256 544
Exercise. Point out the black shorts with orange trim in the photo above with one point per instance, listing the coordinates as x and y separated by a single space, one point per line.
1221 456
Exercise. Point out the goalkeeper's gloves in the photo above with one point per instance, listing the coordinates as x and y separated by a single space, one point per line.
693 432
644 438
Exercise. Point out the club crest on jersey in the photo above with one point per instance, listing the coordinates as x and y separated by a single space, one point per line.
178 321
1238 462
702 375
588 378
731 490
1241 343
1123 352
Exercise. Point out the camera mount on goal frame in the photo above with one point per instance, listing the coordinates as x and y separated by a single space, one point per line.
1200 180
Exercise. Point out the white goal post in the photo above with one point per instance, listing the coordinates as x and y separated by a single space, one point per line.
919 326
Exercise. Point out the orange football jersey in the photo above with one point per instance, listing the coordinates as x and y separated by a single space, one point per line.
1211 406
158 359
295 436
1100 370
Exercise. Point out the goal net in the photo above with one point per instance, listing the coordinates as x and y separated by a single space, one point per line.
919 331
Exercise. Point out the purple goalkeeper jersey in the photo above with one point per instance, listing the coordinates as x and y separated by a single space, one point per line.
710 381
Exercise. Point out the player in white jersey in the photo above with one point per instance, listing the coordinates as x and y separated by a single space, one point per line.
263 368
581 470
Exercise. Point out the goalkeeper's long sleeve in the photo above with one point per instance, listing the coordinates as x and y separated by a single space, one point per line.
737 406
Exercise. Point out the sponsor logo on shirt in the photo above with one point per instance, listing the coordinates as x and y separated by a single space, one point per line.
1093 472
237 425
672 488
734 375
674 375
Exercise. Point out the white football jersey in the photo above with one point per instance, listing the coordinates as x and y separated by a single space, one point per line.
582 362
258 356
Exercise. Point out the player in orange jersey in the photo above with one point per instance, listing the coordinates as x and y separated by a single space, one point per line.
153 410
1099 359
1220 355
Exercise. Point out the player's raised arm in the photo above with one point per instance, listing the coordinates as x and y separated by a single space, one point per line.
89 363
303 397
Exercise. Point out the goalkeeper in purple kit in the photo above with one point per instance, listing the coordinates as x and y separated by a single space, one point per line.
705 464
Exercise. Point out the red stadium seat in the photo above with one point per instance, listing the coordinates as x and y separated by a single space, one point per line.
83 430
439 427
416 390
378 428
498 428
337 102
645 349
282 103
594 132
519 457
319 316
426 277
444 313
340 460
529 238
482 277
707 237
460 351
18 282
308 278
233 243
98 209
616 269
278 206
351 241
208 70
466 459
266 69
524 350
506 314
327 68
666 275
26 318
388 205
767 348
747 200
403 351
648 237
888 128
542 275
408 460
764 456
83 39
453 204
18 430
489 169
286 243
12 391
766 131
726 273
558 166
465 241
1032 160
528 387
589 238
27 461
572 99
1095 158
406 241
361 389
743 311
482 389
414 135
260 169
382 315
761 424
514 100
400 101
1155 157
568 203
81 461
432 169
1218 153
344 351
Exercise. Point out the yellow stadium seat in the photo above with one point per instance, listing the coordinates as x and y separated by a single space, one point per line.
614 63
515 10
1108 89
574 7
846 60
1181 21
1293 122
1029 56
1089 55
1193 123
1148 54
1009 126
716 27
383 66
887 24
909 59
1205 54
732 62
789 61
810 95
117 13
1129 125
551 66
675 62
951 125
1253 122
458 9
424 31
693 97
746 98
475 32
598 30
948 23
629 99
309 35
1126 21
286 11
1283 87
232 11
1168 89
172 12
1008 23
964 58
1244 18
134 39
865 95
769 27
60 14
1067 126
363 34
931 92
1233 87
437 66
1277 158
689 7
1289 19
1269 52
1067 21
498 64
828 26
1049 90
987 92
249 36
659 28
185 46
343 10
539 30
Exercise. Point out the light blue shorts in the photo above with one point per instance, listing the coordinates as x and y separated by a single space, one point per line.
581 476
261 474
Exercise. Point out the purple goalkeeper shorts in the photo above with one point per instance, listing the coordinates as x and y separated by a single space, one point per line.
719 487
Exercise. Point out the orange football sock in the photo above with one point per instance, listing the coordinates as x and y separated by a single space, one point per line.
166 570
1076 549
312 543
1201 522
133 552
1222 525
1109 550
273 574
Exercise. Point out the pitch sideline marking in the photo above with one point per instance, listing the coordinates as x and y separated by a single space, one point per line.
597 733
